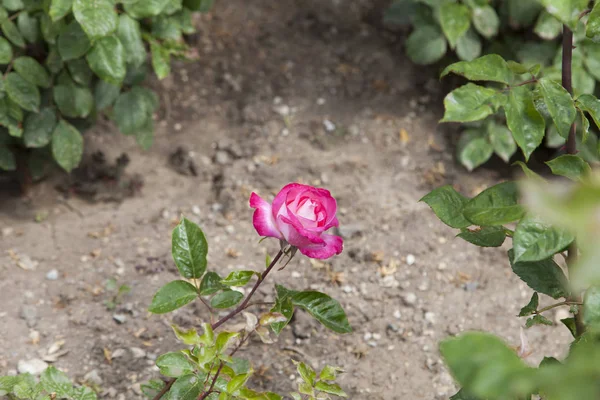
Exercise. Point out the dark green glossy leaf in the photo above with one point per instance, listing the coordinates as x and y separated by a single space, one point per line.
130 35
22 92
105 94
107 59
447 204
468 103
570 324
593 24
98 18
570 166
73 42
199 5
426 45
491 67
172 296
6 53
531 307
80 71
524 121
324 309
487 236
542 276
284 306
60 8
560 105
73 101
455 20
50 29
133 109
145 9
211 283
502 141
32 71
227 298
238 278
474 148
494 206
12 33
566 11
189 249
29 27
535 240
67 145
538 319
187 387
38 128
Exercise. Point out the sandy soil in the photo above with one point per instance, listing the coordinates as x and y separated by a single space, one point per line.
312 91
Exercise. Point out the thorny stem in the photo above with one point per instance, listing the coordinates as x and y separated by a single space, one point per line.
571 147
562 303
226 318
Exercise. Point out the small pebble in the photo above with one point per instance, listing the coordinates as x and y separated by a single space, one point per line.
329 126
137 352
296 274
196 210
34 366
52 275
120 318
230 229
410 299
368 336
397 314
93 377
376 336
118 353
410 259
430 317
347 289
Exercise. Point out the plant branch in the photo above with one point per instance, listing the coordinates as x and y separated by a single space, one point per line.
571 147
527 82
242 306
245 304
212 384
562 303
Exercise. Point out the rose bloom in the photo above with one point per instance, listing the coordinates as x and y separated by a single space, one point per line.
300 215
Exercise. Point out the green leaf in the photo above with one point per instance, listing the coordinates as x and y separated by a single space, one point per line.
98 18
566 11
227 298
474 148
238 278
331 388
73 101
485 366
50 30
53 61
8 161
132 110
22 92
172 296
38 128
324 309
80 71
145 136
535 240
166 28
524 121
447 205
463 395
189 249
494 206
6 53
593 24
29 27
531 307
591 307
329 373
571 326
307 374
32 71
284 306
55 381
548 27
468 46
187 387
189 337
107 59
130 35
199 5
60 8
468 103
67 145
211 283
560 105
105 94
538 319
455 20
491 68
591 105
426 45
502 141
73 42
161 60
12 33
528 172
487 236
145 9
542 276
486 21
570 166
13 5
174 365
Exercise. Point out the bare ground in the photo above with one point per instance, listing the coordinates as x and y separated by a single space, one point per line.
253 114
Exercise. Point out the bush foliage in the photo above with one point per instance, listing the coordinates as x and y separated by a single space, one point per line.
67 62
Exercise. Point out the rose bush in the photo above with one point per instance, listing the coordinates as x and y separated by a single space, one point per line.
300 215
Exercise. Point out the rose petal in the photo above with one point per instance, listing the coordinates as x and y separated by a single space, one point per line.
282 196
333 245
299 229
263 220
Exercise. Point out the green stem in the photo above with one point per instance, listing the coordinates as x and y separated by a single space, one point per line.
562 303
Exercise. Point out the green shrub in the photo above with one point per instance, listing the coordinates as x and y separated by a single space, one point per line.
525 31
66 62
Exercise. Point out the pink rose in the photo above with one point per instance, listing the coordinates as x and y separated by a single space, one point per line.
300 215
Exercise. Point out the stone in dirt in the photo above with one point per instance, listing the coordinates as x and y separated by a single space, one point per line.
34 366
